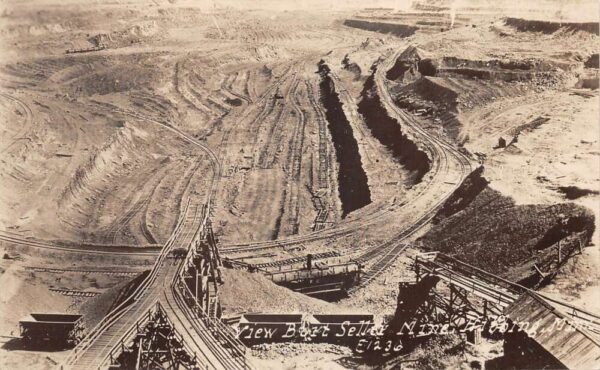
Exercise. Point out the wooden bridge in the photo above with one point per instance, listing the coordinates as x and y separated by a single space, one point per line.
492 294
204 338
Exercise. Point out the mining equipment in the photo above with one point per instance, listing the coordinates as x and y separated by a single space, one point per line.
52 329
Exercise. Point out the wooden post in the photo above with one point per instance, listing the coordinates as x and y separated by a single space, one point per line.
197 283
417 269
559 252
543 275
139 356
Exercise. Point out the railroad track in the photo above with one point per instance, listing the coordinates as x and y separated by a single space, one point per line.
293 174
268 152
104 250
445 160
386 259
83 271
386 253
28 118
75 293
291 261
125 219
227 85
441 154
99 344
323 171
458 272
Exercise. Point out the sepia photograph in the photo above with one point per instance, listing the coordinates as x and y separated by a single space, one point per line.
299 184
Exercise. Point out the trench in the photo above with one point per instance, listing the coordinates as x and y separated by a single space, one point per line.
396 29
389 133
353 185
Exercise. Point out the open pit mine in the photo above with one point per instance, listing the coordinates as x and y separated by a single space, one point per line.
317 184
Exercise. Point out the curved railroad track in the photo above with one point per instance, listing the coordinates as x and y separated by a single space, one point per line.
97 250
449 167
98 345
449 159
25 127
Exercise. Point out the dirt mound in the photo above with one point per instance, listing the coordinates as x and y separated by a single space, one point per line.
446 88
351 67
94 309
574 192
407 66
253 292
547 27
371 43
482 227
131 35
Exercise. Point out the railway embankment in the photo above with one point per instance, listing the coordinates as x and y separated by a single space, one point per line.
389 133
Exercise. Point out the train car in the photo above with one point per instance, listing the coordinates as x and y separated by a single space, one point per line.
51 329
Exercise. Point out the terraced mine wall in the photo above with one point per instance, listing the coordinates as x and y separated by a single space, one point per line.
352 179
437 88
400 30
482 227
526 25
389 132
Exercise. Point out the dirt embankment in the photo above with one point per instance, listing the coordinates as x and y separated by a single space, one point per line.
484 228
443 88
547 27
253 292
353 183
395 29
94 309
388 131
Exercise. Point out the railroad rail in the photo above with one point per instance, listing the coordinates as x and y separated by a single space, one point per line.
83 271
75 293
28 118
295 260
96 250
92 351
161 286
445 158
449 167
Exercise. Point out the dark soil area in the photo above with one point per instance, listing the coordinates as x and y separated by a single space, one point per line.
480 226
527 25
592 61
574 192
